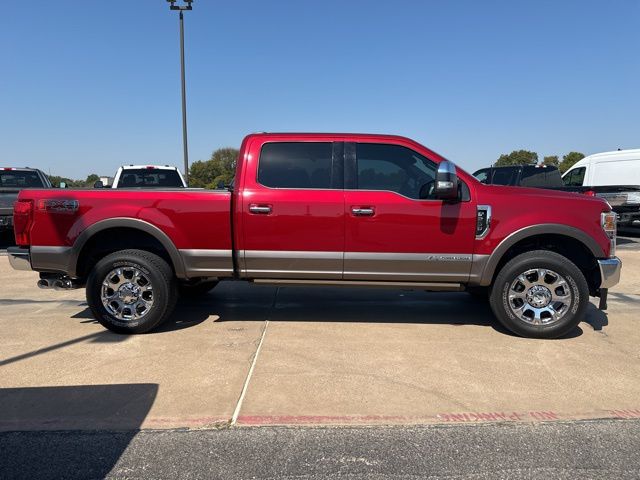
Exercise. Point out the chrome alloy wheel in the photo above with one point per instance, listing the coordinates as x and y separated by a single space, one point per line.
127 293
540 296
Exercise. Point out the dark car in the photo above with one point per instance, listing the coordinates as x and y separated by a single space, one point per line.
12 180
540 176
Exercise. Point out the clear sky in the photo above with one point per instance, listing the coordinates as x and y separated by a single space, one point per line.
88 85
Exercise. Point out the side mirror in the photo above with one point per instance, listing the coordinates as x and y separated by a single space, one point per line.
62 185
98 184
446 181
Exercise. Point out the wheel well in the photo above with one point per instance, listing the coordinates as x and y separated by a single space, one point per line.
113 239
573 249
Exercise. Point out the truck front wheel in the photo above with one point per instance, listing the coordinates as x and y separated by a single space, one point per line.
540 294
131 291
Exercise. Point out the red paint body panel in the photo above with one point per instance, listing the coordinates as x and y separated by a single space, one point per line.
191 219
404 225
514 208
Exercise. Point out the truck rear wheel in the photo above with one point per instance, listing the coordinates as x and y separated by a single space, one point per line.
540 294
131 291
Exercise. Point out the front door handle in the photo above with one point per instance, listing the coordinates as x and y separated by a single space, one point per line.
260 209
363 211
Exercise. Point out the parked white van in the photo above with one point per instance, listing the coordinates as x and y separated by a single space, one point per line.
614 176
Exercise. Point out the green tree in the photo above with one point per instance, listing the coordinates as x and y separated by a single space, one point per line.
517 157
569 160
221 167
551 160
91 179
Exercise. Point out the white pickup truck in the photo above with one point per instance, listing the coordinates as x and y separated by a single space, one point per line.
148 176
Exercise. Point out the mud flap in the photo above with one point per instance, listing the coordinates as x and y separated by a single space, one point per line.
603 298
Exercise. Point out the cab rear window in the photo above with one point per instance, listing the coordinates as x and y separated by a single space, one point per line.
149 178
19 179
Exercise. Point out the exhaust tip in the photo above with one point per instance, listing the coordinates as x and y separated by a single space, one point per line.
61 285
43 284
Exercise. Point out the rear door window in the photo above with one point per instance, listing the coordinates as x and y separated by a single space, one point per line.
574 178
297 165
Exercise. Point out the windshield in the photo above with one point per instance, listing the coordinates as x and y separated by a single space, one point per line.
20 179
149 178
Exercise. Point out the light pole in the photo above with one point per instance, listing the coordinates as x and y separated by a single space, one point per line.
182 8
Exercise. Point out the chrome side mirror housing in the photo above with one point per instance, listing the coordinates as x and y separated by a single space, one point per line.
446 181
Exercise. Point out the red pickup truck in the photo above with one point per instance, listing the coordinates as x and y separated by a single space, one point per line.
325 209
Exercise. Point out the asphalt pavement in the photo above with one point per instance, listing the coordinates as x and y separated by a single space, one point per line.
604 449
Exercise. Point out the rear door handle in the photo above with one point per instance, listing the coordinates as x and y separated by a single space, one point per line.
363 211
260 209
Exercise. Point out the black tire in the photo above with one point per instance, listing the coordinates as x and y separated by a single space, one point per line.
576 304
195 290
159 274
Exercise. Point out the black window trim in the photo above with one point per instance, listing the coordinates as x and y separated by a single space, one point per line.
337 161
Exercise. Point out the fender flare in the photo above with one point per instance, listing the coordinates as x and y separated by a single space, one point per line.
533 230
125 222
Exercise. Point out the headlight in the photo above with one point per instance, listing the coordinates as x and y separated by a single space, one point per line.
608 222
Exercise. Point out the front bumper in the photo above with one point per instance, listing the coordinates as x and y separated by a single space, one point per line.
19 258
610 269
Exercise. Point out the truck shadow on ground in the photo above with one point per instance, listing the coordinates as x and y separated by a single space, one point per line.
233 302
30 452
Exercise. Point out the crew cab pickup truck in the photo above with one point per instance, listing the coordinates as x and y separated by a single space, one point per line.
12 180
325 209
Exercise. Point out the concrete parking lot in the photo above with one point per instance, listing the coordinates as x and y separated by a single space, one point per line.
258 355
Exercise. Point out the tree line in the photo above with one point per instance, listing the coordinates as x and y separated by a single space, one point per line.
70 183
525 157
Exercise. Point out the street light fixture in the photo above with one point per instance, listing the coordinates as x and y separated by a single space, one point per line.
186 5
